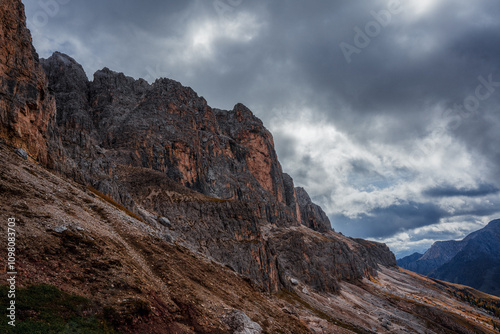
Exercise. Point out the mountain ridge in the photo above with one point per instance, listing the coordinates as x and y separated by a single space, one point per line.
472 261
122 123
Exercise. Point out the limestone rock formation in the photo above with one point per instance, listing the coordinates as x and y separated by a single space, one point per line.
311 214
196 164
116 120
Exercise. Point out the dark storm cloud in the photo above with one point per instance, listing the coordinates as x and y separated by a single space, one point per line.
362 167
410 86
382 223
479 133
453 191
385 222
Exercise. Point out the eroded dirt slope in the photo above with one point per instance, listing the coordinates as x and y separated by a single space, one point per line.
71 238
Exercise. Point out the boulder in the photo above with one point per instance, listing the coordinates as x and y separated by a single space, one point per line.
240 323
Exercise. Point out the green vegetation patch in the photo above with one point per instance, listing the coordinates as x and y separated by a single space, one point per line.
45 309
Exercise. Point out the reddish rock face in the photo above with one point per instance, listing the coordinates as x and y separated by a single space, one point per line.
168 128
261 160
26 107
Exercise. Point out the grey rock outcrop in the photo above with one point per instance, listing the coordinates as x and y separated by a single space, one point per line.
312 215
22 153
240 323
60 229
165 222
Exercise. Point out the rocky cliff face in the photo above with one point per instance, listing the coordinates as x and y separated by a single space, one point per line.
115 130
26 107
116 120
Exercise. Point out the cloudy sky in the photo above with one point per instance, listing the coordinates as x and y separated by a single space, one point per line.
387 112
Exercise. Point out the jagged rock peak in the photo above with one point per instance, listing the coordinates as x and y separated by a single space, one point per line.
243 110
108 79
312 215
176 92
71 75
62 68
166 82
240 114
106 73
65 59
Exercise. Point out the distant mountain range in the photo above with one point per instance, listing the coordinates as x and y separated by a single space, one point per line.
473 261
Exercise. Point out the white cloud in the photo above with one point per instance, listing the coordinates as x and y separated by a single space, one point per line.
355 179
205 36
420 239
421 7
